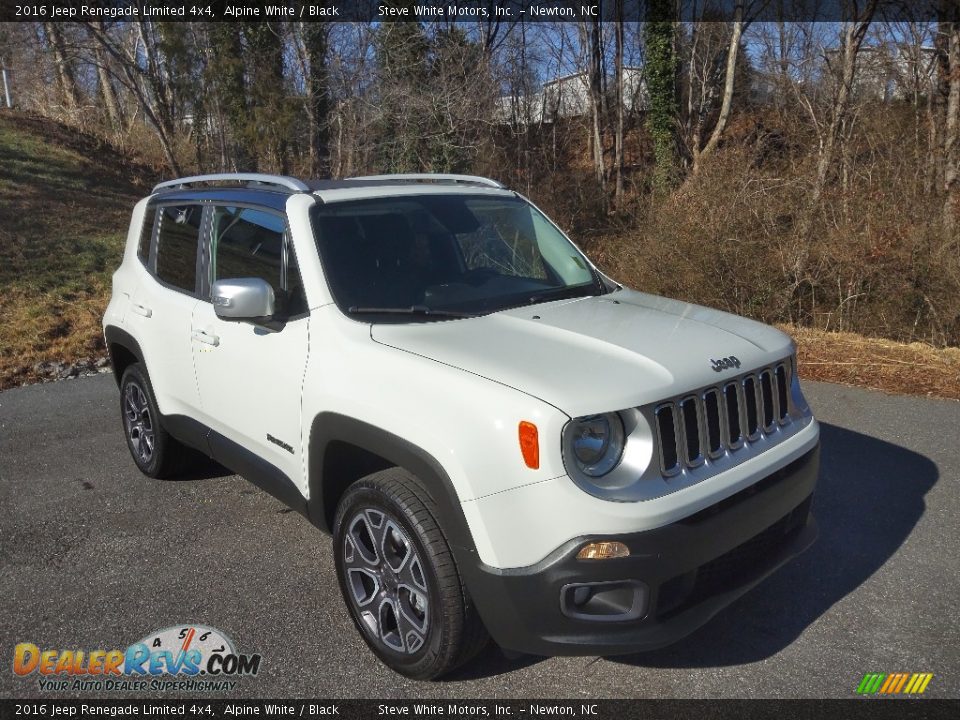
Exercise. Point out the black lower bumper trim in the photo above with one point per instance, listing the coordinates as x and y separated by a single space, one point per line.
691 570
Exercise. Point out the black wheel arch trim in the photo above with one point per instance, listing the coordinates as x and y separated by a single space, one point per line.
329 427
117 337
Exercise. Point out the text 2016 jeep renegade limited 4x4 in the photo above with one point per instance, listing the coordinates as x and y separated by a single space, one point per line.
502 441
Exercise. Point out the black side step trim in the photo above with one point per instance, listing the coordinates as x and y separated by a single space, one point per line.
234 456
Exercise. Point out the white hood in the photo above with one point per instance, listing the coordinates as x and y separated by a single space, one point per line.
596 354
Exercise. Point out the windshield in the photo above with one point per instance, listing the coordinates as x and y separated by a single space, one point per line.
414 257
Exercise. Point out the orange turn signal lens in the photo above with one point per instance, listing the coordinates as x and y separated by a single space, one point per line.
603 551
530 444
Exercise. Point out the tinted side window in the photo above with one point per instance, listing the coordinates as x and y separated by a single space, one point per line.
146 234
252 243
177 243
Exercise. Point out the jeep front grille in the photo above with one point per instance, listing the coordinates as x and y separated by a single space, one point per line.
694 429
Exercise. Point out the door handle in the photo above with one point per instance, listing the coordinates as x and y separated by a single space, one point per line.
206 337
141 310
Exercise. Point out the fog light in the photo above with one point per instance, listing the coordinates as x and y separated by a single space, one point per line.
603 551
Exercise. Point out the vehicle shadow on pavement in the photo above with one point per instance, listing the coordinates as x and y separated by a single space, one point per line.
202 467
869 498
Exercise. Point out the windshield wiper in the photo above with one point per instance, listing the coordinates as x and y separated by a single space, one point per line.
563 293
411 310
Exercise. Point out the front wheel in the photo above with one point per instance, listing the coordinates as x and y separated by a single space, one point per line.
399 578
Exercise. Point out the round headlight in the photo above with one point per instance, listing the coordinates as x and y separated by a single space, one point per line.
597 443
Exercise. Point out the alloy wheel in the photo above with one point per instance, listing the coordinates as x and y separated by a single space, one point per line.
386 581
139 424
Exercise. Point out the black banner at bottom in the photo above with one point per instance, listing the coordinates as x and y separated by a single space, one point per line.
854 709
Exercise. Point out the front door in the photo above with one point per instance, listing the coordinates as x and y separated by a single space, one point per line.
250 375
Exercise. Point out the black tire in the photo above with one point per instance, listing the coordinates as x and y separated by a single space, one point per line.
155 452
450 631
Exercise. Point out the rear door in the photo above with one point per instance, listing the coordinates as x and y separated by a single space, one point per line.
162 306
251 375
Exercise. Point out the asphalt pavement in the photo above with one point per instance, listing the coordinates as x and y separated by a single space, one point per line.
95 556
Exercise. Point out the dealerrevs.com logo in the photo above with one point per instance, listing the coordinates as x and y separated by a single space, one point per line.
184 657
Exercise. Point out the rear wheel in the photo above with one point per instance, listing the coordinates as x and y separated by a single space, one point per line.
155 452
399 578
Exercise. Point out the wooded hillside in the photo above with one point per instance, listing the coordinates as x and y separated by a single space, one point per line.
795 172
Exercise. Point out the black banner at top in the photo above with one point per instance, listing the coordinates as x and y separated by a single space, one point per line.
506 11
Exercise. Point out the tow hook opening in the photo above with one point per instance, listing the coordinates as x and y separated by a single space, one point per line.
608 601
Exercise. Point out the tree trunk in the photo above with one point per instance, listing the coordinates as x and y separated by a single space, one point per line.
68 82
732 53
936 109
229 78
107 94
951 141
315 41
618 137
661 79
853 35
595 92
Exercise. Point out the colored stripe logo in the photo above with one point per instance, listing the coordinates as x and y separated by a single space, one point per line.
894 683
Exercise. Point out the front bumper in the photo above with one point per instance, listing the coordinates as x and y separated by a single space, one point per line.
688 571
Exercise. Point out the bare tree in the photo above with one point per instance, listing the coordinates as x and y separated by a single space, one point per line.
592 38
949 30
853 33
733 51
64 66
312 43
146 80
620 101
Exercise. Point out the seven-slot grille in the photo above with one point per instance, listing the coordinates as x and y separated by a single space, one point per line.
704 426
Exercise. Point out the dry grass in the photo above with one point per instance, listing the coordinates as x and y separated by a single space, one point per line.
40 328
914 369
65 200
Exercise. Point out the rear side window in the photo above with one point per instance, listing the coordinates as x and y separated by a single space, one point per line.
146 234
253 243
177 242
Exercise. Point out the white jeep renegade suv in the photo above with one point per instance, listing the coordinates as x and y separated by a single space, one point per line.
502 441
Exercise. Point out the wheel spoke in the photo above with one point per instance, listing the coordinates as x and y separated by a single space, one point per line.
364 585
389 621
395 548
409 630
413 606
412 574
363 539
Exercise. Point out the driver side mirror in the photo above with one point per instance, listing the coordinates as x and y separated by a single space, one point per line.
243 299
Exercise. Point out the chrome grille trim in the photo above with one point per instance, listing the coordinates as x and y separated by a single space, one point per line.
734 400
721 420
750 403
734 443
768 401
676 467
782 375
696 436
